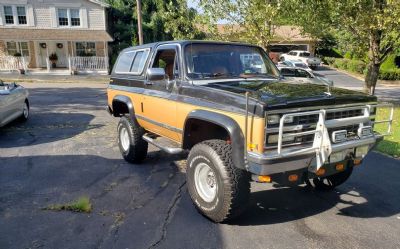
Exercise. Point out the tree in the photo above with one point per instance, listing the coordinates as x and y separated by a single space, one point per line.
162 20
371 25
252 20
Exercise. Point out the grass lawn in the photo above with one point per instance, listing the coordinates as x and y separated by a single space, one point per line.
391 144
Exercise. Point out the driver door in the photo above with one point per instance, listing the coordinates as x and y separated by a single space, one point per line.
159 105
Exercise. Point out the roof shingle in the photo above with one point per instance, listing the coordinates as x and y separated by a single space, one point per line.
54 34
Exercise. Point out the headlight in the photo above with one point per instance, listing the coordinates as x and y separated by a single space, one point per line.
274 119
365 131
273 139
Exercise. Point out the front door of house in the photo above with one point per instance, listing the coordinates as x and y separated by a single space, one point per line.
48 48
60 49
42 54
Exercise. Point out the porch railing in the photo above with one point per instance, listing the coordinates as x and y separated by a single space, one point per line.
10 63
92 63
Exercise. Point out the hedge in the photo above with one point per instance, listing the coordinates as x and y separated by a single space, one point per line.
390 74
360 67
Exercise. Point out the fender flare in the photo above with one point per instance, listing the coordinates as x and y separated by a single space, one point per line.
230 125
127 101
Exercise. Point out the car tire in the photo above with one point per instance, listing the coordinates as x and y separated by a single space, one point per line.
25 112
131 144
329 182
218 189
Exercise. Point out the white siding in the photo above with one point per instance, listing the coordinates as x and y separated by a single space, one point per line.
45 17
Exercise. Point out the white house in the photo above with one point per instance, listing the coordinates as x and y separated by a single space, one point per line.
33 31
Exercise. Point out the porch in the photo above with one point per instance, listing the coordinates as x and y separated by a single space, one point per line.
84 52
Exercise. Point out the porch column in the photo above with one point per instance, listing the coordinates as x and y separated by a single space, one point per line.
47 57
106 56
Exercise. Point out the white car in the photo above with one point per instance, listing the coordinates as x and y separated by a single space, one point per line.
13 103
303 76
301 55
295 64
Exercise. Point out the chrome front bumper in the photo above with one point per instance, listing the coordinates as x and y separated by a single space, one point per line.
317 154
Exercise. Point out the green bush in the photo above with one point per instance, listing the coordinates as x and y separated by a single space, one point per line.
389 63
356 66
348 55
390 74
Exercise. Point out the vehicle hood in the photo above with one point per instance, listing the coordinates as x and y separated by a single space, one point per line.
284 94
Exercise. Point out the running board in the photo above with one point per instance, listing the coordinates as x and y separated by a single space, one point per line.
169 150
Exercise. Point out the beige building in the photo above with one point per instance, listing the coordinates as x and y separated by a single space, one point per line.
33 31
286 38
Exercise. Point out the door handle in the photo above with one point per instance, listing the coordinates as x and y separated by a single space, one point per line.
148 83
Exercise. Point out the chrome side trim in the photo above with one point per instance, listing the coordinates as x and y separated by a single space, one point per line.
159 124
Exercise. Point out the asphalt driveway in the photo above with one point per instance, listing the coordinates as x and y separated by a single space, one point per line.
68 149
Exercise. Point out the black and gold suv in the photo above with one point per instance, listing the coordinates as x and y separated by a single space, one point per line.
226 104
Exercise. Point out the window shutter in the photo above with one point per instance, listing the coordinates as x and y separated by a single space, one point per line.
53 17
29 15
84 17
1 15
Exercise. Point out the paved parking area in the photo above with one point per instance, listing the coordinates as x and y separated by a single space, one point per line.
68 149
388 93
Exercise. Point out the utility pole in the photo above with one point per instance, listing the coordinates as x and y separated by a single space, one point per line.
139 19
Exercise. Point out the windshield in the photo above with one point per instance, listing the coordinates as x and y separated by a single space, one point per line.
302 65
304 54
205 61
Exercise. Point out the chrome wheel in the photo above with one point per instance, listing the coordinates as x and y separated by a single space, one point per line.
205 182
124 138
26 111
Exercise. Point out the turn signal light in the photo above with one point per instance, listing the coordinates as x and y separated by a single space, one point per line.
293 178
357 161
320 172
264 178
340 167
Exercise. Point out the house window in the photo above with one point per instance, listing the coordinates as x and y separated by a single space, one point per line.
11 48
21 13
75 19
85 49
69 17
17 47
8 13
63 17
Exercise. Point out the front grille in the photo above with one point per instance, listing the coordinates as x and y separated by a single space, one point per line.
308 122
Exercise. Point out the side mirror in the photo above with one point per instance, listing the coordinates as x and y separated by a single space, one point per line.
155 74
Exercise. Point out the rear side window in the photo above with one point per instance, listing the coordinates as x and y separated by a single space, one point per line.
132 62
124 62
288 72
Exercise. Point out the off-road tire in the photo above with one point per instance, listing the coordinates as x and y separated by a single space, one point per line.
233 184
329 182
136 151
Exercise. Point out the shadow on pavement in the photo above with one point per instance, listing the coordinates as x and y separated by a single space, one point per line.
356 198
132 204
45 128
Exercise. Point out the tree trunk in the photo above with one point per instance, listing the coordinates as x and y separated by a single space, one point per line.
371 78
374 62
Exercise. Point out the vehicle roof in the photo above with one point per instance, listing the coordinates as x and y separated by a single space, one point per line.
182 43
295 61
280 67
299 51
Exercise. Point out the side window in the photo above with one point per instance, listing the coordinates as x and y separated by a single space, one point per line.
124 62
287 72
302 73
132 62
139 61
167 59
